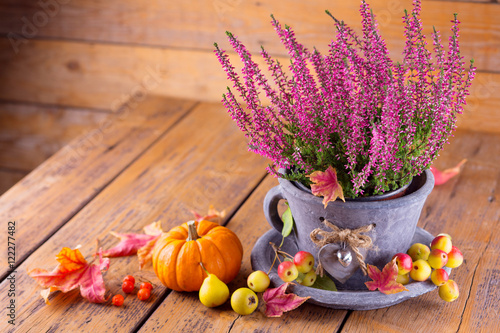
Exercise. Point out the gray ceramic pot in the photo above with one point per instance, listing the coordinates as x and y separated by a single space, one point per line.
395 222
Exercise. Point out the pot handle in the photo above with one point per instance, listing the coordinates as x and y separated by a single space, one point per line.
271 207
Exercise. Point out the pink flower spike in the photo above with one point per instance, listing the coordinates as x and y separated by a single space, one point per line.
326 184
441 177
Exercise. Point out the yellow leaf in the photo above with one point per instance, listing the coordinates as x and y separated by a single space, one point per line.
70 260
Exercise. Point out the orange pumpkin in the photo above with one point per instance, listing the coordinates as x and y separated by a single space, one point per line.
179 252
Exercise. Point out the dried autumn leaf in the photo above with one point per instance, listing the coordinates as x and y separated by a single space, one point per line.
441 177
326 184
145 253
213 215
72 272
277 302
153 229
384 281
131 243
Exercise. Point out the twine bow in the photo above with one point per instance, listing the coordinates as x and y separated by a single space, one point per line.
354 238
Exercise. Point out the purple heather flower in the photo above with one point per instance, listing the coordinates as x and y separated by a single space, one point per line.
377 122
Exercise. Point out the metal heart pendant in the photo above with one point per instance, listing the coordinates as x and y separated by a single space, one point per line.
344 256
331 255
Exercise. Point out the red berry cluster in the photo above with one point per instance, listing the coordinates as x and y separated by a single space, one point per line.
128 286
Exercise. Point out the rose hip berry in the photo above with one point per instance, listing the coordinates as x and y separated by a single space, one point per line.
129 278
127 287
117 300
146 285
143 294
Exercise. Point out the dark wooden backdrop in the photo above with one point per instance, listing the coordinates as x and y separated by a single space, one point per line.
66 64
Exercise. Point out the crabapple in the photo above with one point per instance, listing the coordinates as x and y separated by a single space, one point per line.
404 263
287 271
439 277
419 251
437 259
258 281
304 261
403 278
442 243
449 291
309 278
421 270
455 258
443 234
244 301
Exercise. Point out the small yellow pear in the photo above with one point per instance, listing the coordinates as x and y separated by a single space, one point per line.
213 292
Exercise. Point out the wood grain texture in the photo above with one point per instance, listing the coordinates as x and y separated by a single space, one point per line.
62 185
9 178
467 209
482 312
183 312
30 133
196 24
79 75
190 167
482 111
129 72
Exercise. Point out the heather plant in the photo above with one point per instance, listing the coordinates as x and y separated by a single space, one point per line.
377 122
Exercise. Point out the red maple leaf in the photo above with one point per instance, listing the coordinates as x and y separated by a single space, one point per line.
385 281
278 302
72 272
142 244
326 184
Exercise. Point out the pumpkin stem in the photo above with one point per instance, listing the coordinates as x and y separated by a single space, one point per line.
192 234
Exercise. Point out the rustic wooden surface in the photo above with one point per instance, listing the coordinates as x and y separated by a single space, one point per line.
93 55
167 157
195 24
31 133
80 71
54 192
9 178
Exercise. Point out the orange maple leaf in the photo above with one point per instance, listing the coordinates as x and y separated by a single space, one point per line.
70 260
326 184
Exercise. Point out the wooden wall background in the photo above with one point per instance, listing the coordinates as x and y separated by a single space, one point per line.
66 64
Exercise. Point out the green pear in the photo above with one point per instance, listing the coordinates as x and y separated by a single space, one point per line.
213 292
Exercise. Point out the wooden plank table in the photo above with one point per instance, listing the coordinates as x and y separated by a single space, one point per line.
166 157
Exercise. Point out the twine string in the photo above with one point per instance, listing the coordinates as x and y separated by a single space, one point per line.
354 238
